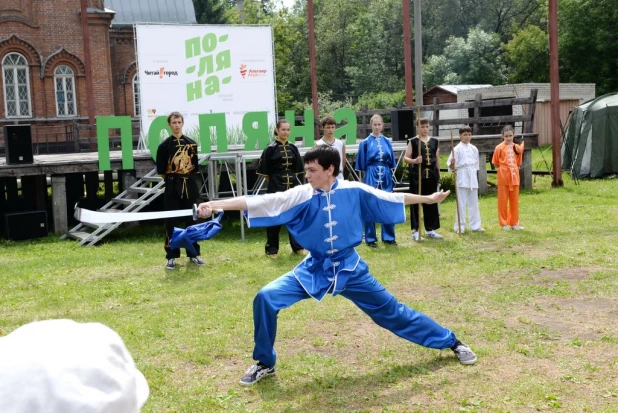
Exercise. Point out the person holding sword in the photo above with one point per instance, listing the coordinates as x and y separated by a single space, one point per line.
325 216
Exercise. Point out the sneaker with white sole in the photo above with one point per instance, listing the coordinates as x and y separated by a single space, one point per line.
506 228
256 373
516 228
197 261
171 264
479 230
433 234
463 353
415 236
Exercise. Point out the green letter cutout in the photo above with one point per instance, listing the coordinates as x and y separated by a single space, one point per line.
210 122
306 130
255 126
104 124
348 130
154 134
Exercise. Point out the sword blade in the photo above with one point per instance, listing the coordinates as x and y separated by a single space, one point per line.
100 217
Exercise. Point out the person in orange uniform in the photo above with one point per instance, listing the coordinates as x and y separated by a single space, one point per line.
507 159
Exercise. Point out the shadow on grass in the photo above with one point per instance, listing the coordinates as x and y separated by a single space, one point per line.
331 391
185 271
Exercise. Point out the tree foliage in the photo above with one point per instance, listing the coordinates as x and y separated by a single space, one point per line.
474 60
210 11
360 44
527 56
589 43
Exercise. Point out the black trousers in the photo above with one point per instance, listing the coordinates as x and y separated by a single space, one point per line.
272 241
171 202
431 214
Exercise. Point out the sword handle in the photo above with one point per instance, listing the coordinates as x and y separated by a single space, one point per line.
195 212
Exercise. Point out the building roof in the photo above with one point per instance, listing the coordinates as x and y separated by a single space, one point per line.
456 88
151 11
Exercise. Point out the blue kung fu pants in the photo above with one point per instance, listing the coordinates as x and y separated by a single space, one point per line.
388 232
364 291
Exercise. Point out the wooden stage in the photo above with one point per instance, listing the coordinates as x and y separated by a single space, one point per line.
65 163
70 173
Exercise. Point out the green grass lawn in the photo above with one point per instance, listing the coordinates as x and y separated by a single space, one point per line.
539 307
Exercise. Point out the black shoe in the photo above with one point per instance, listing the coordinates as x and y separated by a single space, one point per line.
171 264
372 245
256 373
390 242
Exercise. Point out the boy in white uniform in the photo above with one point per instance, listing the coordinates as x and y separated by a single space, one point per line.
328 126
464 160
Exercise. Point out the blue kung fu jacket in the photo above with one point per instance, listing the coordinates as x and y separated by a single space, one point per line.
376 158
329 225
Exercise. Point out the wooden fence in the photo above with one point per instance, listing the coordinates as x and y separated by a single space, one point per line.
527 118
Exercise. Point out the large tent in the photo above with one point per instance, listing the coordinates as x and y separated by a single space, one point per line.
590 145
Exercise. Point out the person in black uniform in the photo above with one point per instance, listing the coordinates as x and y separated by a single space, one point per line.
177 163
429 158
281 165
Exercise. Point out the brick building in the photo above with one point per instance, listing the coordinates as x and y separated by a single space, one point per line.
44 66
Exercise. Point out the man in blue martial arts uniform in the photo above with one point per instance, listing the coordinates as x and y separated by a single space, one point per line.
325 216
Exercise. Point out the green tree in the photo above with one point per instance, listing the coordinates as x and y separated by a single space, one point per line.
588 42
210 11
291 59
527 56
474 60
376 61
442 19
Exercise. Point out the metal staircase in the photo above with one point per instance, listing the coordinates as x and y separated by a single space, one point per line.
136 197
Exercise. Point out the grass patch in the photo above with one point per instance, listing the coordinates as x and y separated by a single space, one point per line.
538 306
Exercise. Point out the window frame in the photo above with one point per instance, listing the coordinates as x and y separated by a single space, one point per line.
64 77
137 108
18 101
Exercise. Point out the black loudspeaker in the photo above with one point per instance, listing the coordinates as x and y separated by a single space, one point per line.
21 226
402 124
18 144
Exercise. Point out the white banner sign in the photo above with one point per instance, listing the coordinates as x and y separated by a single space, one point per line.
201 69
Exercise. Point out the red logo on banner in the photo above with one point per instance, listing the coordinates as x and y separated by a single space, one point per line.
243 70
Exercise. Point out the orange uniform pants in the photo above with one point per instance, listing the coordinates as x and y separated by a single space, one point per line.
508 205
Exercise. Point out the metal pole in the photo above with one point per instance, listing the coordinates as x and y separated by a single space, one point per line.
554 76
87 61
312 64
418 55
240 5
407 52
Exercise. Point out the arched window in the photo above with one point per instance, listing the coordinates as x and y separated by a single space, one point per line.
136 107
16 86
65 91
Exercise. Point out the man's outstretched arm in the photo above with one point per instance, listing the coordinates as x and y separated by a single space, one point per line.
434 198
205 209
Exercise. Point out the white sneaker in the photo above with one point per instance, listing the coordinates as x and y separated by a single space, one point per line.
506 228
479 230
197 261
516 228
434 235
462 230
415 236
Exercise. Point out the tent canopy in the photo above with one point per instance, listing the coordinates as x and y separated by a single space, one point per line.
590 145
